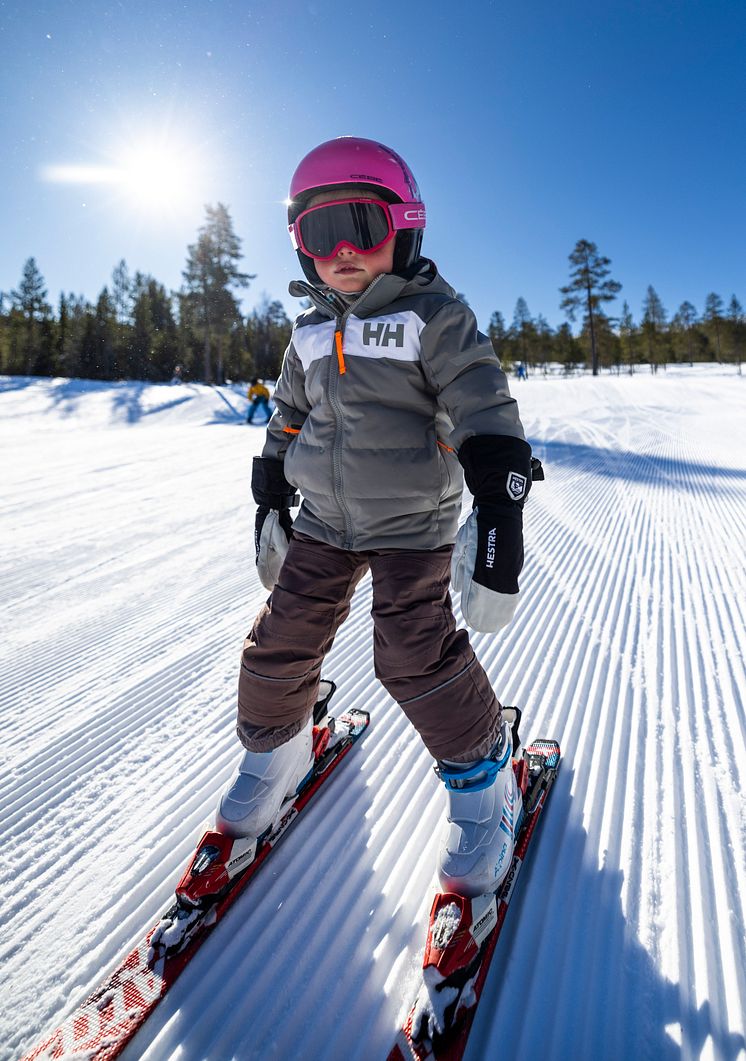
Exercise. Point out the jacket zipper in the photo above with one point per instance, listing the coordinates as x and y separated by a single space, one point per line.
340 323
334 376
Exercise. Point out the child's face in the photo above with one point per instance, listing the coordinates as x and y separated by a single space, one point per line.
348 271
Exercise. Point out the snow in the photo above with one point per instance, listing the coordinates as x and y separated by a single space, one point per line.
445 924
433 1000
128 583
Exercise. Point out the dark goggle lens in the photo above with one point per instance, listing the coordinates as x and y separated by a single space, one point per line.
363 225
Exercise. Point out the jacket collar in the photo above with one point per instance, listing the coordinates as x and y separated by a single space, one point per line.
384 290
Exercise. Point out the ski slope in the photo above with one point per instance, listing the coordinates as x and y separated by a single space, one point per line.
127 585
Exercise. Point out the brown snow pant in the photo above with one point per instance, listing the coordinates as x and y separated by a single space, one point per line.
424 662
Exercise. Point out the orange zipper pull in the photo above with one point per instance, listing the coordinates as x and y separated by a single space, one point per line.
340 352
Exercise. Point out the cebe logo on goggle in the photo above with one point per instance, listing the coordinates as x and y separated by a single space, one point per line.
365 225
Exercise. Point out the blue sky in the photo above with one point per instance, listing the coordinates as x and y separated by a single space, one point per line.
528 126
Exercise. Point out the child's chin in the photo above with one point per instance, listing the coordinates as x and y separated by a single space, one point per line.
353 288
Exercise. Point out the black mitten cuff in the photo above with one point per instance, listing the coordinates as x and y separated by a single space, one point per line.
269 485
496 468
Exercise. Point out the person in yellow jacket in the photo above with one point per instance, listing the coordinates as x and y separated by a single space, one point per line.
258 396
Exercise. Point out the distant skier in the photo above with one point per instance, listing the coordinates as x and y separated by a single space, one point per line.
521 371
387 392
258 396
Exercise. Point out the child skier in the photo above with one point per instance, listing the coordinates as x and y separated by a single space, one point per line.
258 397
388 397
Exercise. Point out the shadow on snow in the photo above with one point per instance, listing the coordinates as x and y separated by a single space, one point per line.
67 396
635 467
599 990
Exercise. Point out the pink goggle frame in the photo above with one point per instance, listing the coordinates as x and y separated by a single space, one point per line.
398 216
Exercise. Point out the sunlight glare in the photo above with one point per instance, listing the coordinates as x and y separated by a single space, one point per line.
157 177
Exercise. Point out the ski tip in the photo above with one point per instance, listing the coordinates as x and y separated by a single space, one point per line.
355 721
546 750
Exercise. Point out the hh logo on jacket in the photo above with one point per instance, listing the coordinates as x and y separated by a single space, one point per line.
395 336
382 333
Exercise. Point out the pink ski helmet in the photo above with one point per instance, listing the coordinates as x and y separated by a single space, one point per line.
355 160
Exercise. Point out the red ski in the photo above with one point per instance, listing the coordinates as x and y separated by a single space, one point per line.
463 934
218 873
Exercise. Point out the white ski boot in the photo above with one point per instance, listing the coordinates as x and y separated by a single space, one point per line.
252 801
485 805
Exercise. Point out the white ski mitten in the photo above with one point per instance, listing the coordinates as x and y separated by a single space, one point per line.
272 544
488 555
484 609
274 498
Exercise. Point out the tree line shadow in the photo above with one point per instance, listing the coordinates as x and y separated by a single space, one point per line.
66 397
636 467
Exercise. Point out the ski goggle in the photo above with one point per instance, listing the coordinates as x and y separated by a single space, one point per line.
365 225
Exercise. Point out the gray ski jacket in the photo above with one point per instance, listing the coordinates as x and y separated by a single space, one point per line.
373 402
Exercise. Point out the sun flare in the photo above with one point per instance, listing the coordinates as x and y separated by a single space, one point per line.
158 178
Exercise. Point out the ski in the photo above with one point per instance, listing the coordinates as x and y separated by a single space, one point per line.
218 873
463 933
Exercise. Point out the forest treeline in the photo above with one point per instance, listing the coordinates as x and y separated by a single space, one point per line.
139 330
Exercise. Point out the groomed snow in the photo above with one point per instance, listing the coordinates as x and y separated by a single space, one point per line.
127 583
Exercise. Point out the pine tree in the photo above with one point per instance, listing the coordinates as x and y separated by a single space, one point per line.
268 334
542 342
521 314
63 337
567 349
31 296
589 287
141 338
654 328
97 342
628 337
714 316
497 332
30 300
211 271
608 349
736 331
239 363
155 347
121 292
4 335
79 316
522 330
682 330
46 347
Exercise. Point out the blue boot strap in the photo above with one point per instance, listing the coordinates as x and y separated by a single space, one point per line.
460 779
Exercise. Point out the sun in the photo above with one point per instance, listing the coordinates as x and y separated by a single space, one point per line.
158 176
155 177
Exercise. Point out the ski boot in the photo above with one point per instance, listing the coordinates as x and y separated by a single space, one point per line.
485 808
252 801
